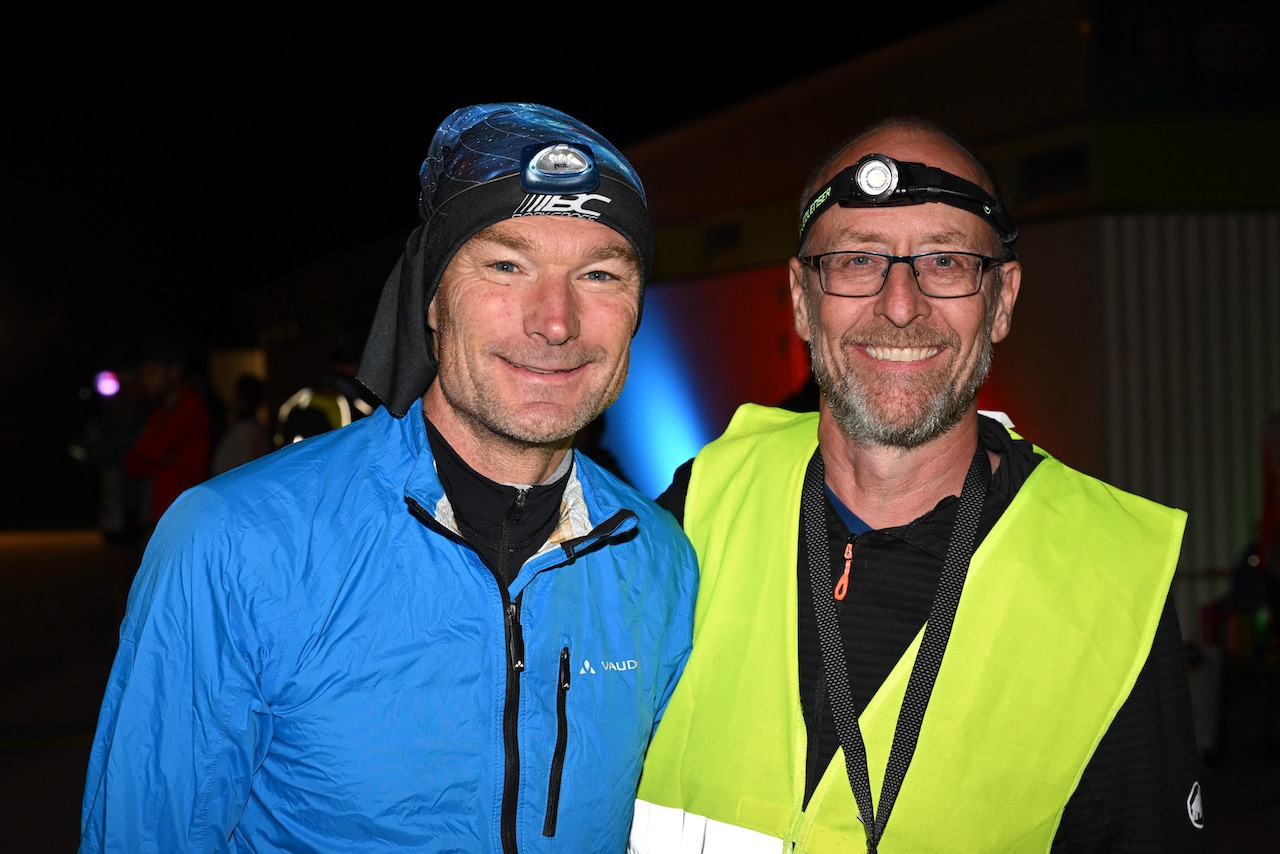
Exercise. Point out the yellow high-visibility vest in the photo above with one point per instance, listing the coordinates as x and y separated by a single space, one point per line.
1055 622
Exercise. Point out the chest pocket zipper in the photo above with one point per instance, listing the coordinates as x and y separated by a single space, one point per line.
562 743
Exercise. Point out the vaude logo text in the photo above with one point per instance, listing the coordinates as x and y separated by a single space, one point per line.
543 205
623 664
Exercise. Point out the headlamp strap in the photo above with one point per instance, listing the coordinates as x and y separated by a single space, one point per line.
906 183
931 184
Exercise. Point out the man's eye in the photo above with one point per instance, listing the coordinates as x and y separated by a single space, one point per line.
504 266
601 276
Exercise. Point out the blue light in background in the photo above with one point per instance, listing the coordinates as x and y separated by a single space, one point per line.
656 423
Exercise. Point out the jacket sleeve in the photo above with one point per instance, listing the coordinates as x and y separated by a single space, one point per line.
678 640
182 722
1140 791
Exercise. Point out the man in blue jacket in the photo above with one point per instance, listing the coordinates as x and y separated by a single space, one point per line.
439 628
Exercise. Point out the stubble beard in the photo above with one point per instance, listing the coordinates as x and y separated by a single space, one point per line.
482 405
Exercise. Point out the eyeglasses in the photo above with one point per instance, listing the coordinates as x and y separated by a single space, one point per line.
942 275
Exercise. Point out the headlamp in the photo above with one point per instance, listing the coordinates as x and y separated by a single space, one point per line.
558 169
877 180
876 177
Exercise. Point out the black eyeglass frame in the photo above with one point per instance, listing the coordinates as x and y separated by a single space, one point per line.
986 262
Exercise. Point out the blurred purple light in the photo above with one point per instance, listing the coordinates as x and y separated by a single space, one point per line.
107 383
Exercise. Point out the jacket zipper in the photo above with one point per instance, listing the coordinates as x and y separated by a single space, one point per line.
510 714
562 742
515 666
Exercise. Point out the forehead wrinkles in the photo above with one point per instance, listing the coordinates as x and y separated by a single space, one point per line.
605 245
508 238
855 235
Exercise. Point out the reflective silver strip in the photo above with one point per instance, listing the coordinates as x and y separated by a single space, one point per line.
667 830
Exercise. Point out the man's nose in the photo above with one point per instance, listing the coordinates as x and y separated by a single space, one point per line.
552 311
900 299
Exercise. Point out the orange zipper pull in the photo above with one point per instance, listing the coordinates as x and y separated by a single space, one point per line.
842 586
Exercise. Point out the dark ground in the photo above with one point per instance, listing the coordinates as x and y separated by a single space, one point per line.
62 596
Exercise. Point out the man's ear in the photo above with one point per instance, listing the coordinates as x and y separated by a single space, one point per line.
430 331
799 303
1003 321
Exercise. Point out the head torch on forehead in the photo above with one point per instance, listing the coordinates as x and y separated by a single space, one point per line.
878 180
559 168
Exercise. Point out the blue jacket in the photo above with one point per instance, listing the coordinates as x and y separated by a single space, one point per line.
310 662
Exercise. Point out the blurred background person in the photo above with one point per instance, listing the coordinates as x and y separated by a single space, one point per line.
172 452
108 435
247 436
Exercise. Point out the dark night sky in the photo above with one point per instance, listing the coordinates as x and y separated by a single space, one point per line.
146 174
153 163
159 168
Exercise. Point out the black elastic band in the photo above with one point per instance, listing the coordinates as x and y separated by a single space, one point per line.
917 184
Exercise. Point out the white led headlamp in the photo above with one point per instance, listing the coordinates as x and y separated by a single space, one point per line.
878 179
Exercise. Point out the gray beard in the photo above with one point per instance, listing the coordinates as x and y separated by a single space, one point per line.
861 422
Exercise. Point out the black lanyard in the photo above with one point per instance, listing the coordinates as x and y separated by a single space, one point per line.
924 670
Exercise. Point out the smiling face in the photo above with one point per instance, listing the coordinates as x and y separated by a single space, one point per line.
532 327
900 368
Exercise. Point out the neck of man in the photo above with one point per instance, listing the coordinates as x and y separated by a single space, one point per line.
506 523
890 486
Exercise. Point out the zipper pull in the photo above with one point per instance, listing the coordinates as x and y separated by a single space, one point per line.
515 639
842 586
517 509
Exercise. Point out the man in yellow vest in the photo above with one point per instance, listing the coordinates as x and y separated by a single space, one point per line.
916 631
